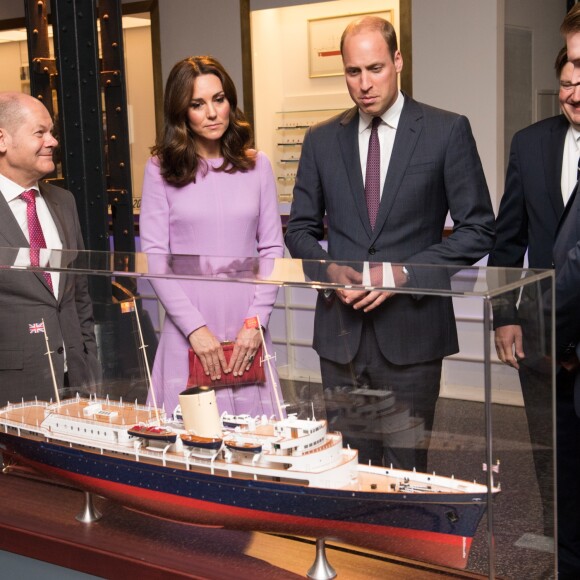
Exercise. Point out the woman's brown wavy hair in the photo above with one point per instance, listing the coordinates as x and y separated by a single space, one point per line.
176 146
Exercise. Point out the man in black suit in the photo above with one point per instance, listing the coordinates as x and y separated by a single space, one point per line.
566 254
27 298
541 175
429 166
540 178
567 265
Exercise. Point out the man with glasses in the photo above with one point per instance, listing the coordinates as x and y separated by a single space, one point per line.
541 176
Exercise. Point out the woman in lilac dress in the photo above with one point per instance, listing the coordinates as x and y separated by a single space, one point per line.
207 194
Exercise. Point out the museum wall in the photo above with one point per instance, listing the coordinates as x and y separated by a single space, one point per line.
543 20
140 97
458 65
201 27
11 52
286 90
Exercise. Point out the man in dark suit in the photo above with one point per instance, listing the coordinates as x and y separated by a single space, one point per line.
29 298
429 166
541 175
567 265
566 255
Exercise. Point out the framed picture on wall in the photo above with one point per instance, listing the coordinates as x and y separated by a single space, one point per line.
324 42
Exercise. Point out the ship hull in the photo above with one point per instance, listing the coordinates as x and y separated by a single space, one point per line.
436 528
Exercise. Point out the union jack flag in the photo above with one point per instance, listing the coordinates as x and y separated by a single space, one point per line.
36 327
494 467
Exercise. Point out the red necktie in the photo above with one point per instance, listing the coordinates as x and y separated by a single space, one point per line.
35 234
373 175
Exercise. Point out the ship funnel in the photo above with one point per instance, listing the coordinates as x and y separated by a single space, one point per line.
200 412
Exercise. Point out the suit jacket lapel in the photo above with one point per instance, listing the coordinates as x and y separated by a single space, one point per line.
408 131
53 208
348 143
552 154
11 234
567 209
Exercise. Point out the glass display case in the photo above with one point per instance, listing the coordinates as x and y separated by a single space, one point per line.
298 453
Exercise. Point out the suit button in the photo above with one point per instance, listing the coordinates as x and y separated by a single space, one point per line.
60 350
372 251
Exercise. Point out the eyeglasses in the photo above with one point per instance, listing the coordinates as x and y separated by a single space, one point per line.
567 86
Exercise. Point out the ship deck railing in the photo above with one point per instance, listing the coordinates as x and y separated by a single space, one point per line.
23 404
22 426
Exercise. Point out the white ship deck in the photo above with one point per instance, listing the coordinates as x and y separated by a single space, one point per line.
345 474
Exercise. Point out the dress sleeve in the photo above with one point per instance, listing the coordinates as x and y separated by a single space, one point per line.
270 243
154 224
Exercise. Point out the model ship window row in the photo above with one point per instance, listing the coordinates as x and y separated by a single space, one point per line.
84 430
316 443
108 433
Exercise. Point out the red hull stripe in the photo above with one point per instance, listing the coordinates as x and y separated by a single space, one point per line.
154 498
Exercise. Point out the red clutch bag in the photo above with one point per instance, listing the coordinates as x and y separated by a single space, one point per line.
198 378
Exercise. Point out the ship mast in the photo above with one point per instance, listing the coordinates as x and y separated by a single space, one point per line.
143 347
267 358
49 353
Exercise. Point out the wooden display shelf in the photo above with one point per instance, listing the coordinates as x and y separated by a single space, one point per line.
38 520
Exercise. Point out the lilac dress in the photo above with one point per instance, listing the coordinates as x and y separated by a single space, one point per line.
221 219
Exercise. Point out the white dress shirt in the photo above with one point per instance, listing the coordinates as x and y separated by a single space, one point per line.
11 192
386 131
570 163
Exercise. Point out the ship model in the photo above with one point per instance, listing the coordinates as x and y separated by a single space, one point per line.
284 475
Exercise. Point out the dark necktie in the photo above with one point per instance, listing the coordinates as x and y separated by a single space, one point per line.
578 170
35 234
373 192
373 175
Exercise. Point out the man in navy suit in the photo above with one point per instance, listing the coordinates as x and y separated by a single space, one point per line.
541 175
429 166
566 256
567 265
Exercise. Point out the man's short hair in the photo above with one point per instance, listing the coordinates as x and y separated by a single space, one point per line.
366 23
11 113
561 60
571 23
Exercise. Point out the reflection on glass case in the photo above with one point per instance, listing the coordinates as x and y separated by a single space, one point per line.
123 415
